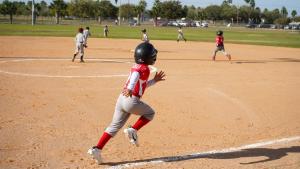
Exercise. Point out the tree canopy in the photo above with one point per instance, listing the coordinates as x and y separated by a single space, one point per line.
171 10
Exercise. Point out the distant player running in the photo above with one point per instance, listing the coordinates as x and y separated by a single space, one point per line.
220 46
86 34
180 35
79 45
145 37
129 101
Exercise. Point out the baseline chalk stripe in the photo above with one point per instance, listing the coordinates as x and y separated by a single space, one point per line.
153 69
205 154
237 102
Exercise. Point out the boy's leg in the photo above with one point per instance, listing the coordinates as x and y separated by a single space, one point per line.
214 54
142 121
118 122
74 56
226 54
103 140
81 51
140 108
183 38
75 53
137 107
95 151
119 118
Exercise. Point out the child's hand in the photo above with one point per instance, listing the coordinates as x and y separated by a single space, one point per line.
127 92
159 76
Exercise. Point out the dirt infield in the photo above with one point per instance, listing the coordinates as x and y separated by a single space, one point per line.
53 110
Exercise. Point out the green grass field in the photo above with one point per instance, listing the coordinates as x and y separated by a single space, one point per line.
232 35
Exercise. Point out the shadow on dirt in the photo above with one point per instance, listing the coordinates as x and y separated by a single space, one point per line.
269 153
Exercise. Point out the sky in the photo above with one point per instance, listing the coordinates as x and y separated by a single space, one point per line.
270 4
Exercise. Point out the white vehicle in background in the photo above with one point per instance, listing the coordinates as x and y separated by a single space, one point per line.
197 23
172 23
295 25
182 23
204 24
200 24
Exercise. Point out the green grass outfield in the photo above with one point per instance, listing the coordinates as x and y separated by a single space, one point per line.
282 38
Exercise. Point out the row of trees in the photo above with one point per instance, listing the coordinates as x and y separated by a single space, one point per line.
173 9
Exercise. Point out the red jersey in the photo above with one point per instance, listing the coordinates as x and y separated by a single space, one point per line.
141 84
220 40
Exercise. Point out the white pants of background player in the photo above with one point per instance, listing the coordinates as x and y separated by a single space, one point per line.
79 49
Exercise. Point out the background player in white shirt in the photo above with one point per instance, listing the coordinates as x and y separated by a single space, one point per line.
180 35
145 37
105 31
129 101
79 45
86 34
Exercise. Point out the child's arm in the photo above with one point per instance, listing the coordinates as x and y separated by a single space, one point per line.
132 82
158 77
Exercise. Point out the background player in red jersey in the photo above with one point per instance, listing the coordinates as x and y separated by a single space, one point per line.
129 100
220 46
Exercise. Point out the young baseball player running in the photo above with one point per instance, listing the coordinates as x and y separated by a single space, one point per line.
79 41
180 35
145 36
220 46
86 34
129 101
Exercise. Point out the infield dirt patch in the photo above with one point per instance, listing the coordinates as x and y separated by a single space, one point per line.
53 110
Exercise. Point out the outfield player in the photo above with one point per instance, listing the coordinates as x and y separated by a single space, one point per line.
79 45
86 34
220 46
129 101
105 30
180 35
145 37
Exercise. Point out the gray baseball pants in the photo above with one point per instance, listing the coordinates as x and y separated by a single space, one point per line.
126 106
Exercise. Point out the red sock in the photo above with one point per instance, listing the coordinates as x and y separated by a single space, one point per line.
140 123
103 140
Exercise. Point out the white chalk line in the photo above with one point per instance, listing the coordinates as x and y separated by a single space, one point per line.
153 69
205 154
237 102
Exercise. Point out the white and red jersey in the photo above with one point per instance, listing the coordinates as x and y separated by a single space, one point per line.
220 41
138 79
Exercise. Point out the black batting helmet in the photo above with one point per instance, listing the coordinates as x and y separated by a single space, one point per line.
219 33
145 53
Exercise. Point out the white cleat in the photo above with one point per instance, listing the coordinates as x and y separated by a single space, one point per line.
132 135
96 154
